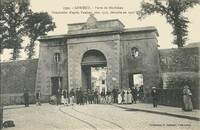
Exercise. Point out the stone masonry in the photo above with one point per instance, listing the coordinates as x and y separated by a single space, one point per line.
111 39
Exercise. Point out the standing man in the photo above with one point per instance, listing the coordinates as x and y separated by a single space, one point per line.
38 98
134 94
77 96
72 94
81 96
92 97
58 96
141 93
123 96
96 96
154 96
65 97
26 98
108 96
103 96
115 95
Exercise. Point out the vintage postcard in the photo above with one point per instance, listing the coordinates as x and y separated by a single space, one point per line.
100 65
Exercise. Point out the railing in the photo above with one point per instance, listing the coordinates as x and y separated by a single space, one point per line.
174 97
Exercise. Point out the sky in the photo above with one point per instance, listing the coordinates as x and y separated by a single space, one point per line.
53 7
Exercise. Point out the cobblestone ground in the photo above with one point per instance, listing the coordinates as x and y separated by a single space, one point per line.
91 117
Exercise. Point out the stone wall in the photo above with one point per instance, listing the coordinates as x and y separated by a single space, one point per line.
15 78
146 63
107 44
180 67
48 68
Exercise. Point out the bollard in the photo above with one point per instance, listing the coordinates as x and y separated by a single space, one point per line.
1 117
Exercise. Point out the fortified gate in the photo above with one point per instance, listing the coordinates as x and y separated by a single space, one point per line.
65 60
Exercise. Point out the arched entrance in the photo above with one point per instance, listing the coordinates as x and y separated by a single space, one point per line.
92 60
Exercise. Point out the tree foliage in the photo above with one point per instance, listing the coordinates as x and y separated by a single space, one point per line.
13 15
173 11
36 25
17 21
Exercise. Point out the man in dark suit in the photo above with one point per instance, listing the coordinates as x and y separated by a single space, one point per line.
77 96
72 96
38 98
134 94
58 96
154 97
80 96
115 95
26 98
96 93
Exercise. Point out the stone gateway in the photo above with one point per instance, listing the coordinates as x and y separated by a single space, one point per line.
65 60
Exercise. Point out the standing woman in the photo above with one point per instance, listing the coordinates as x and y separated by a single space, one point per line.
125 96
119 97
187 99
129 96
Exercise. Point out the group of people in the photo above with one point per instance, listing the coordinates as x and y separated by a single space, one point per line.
187 102
82 97
37 98
128 96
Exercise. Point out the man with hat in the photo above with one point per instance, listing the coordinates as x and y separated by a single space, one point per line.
72 96
154 96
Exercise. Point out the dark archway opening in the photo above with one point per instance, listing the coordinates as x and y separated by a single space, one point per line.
93 65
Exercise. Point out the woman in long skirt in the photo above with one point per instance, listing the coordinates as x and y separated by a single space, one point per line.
119 98
62 98
187 99
125 96
129 97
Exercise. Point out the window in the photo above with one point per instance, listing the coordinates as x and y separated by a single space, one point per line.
57 57
134 52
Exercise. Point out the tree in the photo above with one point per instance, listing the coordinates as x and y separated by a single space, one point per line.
2 30
2 37
36 25
13 15
173 11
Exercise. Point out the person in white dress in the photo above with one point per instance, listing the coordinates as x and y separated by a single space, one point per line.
119 98
129 96
62 98
125 97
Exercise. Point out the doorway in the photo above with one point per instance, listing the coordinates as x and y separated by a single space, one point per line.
98 78
135 80
56 83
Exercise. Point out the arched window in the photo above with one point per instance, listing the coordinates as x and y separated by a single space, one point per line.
134 52
57 57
